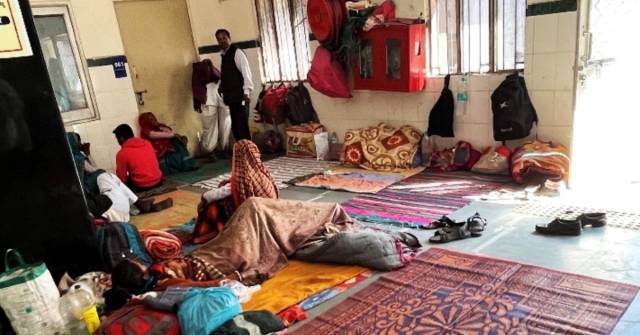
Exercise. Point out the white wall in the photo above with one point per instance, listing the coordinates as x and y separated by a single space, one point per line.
550 55
99 36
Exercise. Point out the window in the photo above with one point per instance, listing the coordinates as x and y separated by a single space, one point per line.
477 36
67 71
285 39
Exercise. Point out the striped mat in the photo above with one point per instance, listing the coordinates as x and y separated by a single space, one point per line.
282 169
419 200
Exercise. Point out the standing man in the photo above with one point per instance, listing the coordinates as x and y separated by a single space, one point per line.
236 85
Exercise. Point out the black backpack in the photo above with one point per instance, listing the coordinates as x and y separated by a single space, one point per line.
441 115
118 241
513 112
299 107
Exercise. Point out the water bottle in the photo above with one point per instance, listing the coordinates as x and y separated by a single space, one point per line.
78 308
462 97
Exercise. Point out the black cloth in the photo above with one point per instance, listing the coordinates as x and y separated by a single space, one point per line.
441 115
239 121
266 321
231 81
98 204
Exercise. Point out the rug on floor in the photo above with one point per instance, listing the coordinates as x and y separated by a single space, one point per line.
282 169
298 281
553 210
167 186
353 180
206 171
419 200
184 208
456 293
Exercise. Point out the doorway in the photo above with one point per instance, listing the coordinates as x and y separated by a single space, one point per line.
158 43
605 133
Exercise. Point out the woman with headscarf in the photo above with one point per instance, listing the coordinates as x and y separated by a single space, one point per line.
170 148
249 178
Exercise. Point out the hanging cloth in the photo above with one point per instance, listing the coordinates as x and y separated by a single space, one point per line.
441 115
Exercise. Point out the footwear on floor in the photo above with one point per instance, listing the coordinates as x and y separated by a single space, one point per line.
476 225
162 205
448 234
561 227
593 219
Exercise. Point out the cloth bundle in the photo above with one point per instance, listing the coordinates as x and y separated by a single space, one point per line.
249 323
538 161
161 245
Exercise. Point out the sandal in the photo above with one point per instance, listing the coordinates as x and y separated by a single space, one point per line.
448 234
445 221
476 225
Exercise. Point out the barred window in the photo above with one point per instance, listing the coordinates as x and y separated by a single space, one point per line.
477 36
285 39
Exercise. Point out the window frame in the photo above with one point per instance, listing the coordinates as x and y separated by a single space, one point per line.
268 73
89 113
493 43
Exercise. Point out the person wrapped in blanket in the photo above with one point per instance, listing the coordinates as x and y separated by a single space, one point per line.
249 178
170 147
261 236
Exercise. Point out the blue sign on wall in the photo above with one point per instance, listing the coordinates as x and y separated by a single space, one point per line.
119 69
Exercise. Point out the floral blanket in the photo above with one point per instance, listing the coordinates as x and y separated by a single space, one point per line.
381 148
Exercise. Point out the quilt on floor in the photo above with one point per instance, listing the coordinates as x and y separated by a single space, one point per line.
354 180
419 200
282 169
455 293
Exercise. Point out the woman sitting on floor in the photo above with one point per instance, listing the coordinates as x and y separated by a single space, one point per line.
249 178
170 148
259 239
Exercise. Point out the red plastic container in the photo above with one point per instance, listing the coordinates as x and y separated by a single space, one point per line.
392 57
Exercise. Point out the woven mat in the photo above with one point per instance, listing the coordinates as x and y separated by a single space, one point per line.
619 219
282 169
447 292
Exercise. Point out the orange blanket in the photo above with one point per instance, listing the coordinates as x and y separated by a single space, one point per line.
540 160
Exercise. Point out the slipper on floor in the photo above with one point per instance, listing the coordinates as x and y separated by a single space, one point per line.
476 225
448 234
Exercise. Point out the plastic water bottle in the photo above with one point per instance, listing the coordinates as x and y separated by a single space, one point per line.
78 308
462 97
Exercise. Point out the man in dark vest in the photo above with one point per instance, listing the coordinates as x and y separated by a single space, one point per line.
236 84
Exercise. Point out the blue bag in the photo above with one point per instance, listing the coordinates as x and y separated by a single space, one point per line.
205 310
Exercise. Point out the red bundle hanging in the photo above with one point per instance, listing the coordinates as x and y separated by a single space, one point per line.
327 76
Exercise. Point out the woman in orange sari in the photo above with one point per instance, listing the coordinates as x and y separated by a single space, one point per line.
249 178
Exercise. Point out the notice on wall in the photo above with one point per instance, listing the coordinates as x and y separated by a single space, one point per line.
119 69
14 41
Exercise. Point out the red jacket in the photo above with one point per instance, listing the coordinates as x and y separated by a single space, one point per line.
136 162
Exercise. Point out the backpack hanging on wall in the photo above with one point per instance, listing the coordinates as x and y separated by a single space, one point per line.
513 112
300 107
441 115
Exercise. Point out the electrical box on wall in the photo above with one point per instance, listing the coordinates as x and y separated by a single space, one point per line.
392 57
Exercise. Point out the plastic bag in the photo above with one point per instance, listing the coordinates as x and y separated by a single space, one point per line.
204 310
321 141
241 291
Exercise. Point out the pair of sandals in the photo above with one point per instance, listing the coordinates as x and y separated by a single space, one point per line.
452 231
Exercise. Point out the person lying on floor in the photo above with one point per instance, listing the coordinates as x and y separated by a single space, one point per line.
170 148
249 178
259 239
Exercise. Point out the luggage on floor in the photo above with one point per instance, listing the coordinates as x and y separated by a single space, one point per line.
536 161
494 161
140 320
301 140
118 241
205 310
29 296
513 112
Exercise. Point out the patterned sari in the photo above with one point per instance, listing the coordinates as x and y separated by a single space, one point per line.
249 177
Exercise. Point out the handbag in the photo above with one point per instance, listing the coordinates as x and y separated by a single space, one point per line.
29 297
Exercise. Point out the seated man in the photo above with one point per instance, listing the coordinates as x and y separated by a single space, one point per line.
136 162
